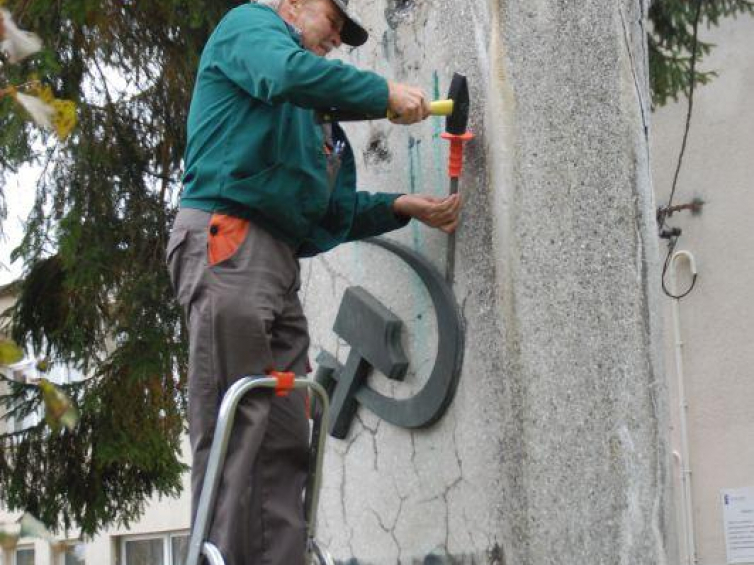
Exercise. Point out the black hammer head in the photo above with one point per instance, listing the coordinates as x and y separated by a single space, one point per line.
457 122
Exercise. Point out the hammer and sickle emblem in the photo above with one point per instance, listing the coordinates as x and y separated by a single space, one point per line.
374 334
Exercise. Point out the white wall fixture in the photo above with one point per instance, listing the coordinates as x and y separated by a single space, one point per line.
684 457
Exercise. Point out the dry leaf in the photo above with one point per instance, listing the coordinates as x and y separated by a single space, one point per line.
41 112
64 119
49 112
10 352
58 407
16 43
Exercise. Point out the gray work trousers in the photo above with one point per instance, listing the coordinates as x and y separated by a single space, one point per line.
244 318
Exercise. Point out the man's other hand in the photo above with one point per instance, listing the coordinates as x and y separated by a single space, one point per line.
440 213
407 103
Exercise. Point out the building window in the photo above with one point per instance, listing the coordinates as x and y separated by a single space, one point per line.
72 554
144 552
179 548
23 556
160 549
22 372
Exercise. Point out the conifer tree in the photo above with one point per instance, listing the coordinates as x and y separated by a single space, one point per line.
672 42
95 294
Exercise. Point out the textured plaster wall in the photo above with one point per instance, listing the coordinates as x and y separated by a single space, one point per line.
554 449
716 318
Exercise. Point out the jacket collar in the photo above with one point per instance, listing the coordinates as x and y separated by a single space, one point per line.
292 30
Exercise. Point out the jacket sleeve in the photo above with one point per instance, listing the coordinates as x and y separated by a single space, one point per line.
372 214
352 214
253 48
356 216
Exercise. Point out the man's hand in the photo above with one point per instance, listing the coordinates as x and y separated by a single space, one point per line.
407 103
440 213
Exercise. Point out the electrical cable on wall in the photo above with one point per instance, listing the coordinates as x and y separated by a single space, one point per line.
671 249
673 234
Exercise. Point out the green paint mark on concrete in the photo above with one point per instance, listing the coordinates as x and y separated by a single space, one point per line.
414 177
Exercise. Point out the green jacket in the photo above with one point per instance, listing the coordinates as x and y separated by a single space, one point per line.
253 147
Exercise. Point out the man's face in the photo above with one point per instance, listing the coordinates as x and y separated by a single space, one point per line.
320 22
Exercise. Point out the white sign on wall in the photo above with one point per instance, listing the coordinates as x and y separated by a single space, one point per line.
738 520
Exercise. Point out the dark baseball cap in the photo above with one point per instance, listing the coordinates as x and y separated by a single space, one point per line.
353 33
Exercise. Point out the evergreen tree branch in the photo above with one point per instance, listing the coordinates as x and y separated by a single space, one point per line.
671 39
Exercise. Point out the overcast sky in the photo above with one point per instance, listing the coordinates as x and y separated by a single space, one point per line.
19 194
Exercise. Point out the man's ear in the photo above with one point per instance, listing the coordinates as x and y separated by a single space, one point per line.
288 9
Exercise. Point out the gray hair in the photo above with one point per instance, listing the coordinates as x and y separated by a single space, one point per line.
274 4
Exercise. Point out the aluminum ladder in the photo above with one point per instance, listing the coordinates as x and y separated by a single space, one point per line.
284 382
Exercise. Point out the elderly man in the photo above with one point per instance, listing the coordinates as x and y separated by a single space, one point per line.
265 184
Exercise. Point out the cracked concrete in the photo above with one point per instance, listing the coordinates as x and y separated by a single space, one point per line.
554 449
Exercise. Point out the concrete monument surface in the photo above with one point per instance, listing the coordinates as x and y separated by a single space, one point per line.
553 450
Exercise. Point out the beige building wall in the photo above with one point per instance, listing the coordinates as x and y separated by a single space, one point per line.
717 317
163 519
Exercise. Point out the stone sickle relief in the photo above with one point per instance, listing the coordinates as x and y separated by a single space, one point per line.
374 334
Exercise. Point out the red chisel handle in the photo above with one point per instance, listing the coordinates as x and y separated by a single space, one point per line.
455 162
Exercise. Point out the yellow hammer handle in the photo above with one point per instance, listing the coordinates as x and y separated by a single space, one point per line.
436 108
441 107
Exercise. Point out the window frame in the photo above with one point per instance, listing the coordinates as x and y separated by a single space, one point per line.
25 547
165 537
177 534
65 545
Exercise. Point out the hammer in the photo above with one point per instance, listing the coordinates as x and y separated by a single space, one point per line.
436 108
456 111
